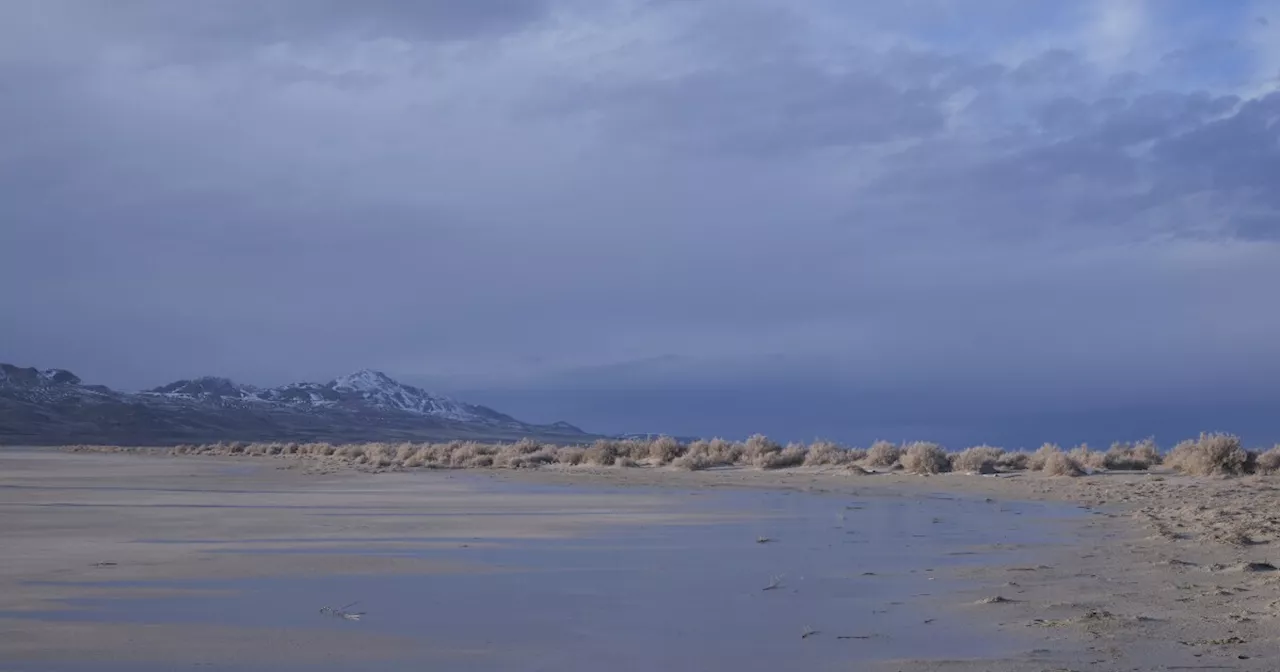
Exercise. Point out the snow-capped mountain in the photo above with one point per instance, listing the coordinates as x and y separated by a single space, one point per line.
53 406
365 389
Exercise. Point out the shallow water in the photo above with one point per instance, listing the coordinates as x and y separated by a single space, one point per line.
867 574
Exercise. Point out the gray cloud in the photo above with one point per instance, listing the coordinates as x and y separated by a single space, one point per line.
190 26
765 111
504 197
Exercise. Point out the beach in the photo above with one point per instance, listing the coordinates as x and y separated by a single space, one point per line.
1132 571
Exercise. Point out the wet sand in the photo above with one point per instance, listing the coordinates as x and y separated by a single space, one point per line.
1157 576
1168 572
68 521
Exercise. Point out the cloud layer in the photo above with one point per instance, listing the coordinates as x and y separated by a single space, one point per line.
1066 202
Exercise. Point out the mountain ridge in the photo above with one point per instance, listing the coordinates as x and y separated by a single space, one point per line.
47 406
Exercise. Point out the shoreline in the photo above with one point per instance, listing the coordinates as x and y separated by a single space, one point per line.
1165 570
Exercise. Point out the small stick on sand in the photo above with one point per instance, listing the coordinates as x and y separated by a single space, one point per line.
774 583
342 611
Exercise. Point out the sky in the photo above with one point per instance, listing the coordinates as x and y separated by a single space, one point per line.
959 220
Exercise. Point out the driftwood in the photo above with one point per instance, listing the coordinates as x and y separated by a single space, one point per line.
341 612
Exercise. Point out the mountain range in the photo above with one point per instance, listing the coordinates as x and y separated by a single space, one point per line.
53 406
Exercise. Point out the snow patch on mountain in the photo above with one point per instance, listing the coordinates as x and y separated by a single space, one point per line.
380 390
208 388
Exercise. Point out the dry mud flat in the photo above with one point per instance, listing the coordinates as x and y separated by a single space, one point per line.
1165 572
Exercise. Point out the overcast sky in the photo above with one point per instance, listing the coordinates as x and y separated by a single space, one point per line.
704 216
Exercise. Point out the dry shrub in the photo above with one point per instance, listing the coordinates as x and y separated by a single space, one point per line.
1146 451
822 453
1133 456
1092 460
602 453
523 454
978 459
525 446
1058 463
703 454
1014 460
571 455
636 449
403 452
664 449
1037 460
546 455
883 454
759 449
467 454
728 452
694 462
923 457
415 460
791 456
1269 461
1210 455
1214 453
379 455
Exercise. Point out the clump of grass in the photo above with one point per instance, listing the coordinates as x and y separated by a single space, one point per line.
923 457
1138 456
883 454
1210 455
978 459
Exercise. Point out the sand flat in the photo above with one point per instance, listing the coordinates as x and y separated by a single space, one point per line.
1155 574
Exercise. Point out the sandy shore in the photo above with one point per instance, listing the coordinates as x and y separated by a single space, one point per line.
1168 572
70 519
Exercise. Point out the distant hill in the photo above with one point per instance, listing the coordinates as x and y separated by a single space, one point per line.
53 406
